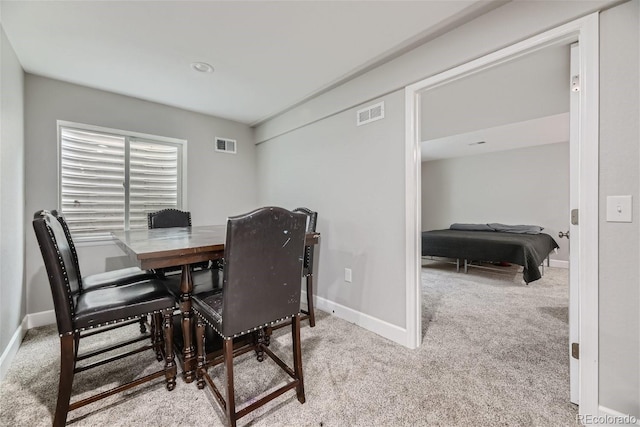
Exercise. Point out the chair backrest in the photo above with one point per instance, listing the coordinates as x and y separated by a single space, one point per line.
167 218
312 218
64 278
263 259
72 246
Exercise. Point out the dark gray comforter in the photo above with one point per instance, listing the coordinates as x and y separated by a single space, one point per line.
527 250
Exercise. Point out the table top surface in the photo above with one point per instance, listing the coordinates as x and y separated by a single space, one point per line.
172 242
205 241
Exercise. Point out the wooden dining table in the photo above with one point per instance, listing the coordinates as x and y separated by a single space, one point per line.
180 247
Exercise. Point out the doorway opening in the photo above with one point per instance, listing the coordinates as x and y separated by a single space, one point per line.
584 31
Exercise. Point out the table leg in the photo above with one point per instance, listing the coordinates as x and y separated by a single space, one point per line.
188 353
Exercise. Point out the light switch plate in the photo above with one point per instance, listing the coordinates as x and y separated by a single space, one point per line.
347 275
619 209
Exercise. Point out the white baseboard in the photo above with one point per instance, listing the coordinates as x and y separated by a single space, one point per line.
11 350
42 318
370 323
33 320
558 263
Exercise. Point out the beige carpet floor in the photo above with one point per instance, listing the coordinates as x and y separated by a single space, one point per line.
494 353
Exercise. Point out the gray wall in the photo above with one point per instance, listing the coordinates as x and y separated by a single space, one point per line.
619 242
219 184
524 186
12 290
350 176
500 28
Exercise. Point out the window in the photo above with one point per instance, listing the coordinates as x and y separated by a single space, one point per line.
110 180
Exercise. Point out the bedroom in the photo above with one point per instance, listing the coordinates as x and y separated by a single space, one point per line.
496 150
507 160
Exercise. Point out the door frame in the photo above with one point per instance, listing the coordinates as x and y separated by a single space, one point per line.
586 31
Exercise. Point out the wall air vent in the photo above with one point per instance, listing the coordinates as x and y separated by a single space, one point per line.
226 145
370 114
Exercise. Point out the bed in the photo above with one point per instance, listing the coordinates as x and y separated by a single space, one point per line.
527 250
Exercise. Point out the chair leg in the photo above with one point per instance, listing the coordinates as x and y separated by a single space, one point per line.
156 335
76 345
201 353
258 339
312 313
228 367
297 357
170 369
143 324
152 328
67 367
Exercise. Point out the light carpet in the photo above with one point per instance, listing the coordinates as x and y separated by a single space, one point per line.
494 353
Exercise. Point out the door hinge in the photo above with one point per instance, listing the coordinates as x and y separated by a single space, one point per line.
575 350
575 83
574 216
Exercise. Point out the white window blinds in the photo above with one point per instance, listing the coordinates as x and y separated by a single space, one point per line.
110 182
153 181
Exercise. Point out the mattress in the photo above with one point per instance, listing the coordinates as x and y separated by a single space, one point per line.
527 250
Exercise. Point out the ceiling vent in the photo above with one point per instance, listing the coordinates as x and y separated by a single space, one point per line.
370 114
226 145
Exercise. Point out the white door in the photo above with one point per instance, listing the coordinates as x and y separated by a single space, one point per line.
574 232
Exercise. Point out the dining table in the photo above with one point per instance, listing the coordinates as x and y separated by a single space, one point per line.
180 247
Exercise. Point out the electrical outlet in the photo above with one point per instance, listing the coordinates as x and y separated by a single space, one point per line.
347 275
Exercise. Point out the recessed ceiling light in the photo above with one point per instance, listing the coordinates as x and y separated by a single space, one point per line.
202 67
477 143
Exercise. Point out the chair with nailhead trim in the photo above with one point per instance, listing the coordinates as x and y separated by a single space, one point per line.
307 271
78 310
168 218
263 259
123 276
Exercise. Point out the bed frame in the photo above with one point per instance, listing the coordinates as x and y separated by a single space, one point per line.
527 250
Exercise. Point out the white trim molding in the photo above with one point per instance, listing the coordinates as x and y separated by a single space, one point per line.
42 318
558 263
29 321
373 324
586 32
14 344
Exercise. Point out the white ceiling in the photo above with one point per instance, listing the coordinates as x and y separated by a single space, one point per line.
267 55
528 133
520 103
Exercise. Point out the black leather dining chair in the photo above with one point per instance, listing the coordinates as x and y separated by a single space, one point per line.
307 271
263 261
78 310
168 218
204 278
123 276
